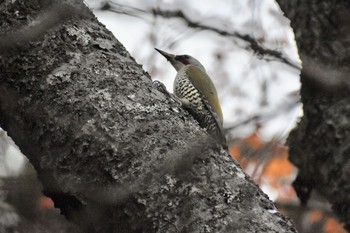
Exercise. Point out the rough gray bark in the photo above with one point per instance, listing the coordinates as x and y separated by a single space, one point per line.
114 152
320 145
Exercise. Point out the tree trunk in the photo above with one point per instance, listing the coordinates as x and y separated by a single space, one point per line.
320 145
112 149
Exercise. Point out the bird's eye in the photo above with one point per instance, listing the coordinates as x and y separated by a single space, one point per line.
184 59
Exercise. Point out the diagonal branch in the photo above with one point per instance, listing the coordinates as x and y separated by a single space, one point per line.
258 50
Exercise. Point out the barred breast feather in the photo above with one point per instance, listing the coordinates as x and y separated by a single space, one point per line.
193 84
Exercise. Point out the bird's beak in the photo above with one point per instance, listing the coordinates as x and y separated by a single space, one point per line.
168 56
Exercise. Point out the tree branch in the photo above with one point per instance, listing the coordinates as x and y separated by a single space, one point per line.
258 50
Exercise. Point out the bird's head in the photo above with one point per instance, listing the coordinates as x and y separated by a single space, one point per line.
179 61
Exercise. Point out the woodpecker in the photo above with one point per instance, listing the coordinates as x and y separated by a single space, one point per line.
197 93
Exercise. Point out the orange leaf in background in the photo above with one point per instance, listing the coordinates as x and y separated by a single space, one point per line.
254 141
267 164
333 226
45 203
279 166
315 216
279 174
235 152
287 194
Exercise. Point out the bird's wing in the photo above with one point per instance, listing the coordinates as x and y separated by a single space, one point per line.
205 86
219 132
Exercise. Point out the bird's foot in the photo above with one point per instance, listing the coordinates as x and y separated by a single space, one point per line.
161 87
